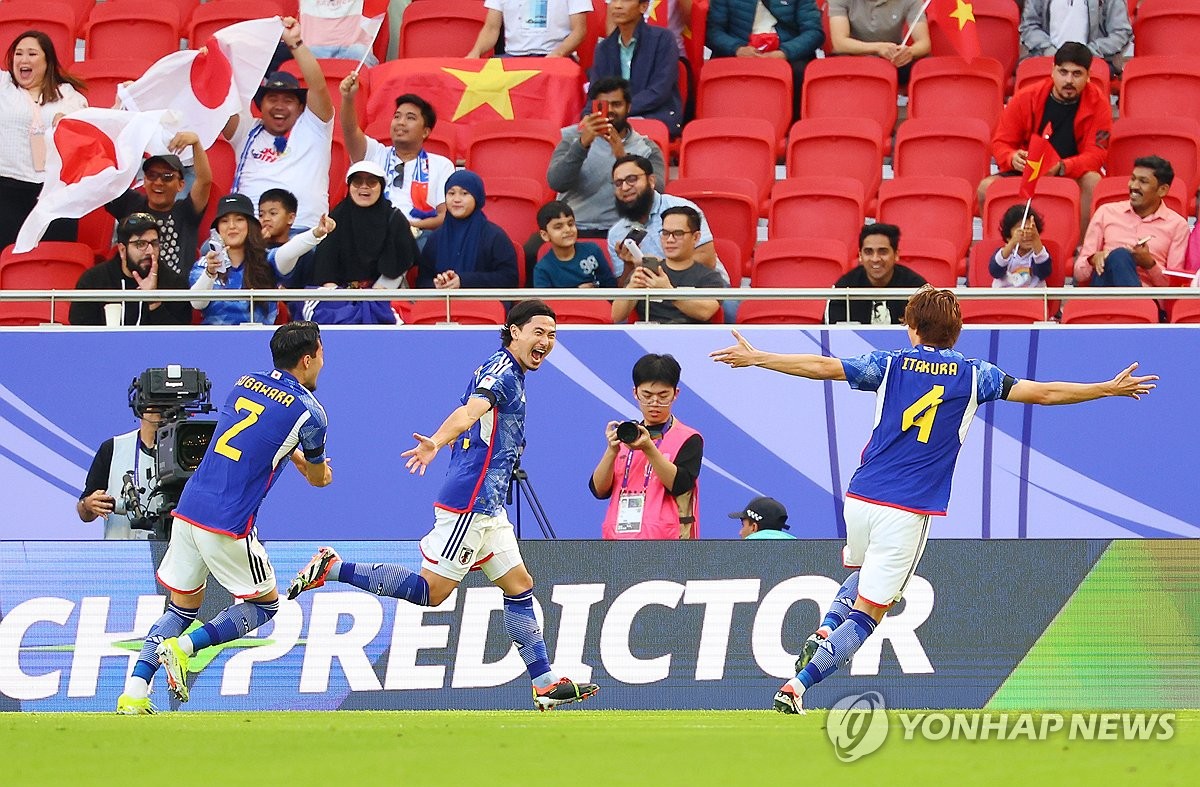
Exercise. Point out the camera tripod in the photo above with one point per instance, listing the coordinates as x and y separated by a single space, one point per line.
520 485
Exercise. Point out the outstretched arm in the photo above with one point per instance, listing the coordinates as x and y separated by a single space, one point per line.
1124 384
463 418
814 367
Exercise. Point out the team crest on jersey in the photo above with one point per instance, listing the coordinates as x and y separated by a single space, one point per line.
464 556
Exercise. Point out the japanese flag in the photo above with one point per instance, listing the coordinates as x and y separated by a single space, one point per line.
92 156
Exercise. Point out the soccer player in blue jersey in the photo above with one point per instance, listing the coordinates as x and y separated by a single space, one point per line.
269 417
471 529
926 397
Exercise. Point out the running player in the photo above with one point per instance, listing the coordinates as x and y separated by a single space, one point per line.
471 528
926 398
269 417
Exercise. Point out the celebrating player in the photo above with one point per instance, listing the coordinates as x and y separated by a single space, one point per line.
268 416
471 528
927 396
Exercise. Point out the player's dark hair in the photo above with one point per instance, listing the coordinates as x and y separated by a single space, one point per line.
1074 53
291 342
642 162
889 231
1012 218
608 85
521 314
1164 173
935 315
656 368
284 197
427 113
554 209
688 212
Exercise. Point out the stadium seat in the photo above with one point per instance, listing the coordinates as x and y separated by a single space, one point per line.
871 81
1162 86
1036 69
594 32
730 258
1166 27
1002 311
593 312
96 232
513 204
718 145
335 70
997 22
799 262
1110 311
935 259
952 87
55 19
738 87
212 16
462 312
981 255
79 12
1056 201
1177 139
940 147
49 266
930 207
780 312
447 28
1115 188
730 206
1184 310
831 207
657 131
849 147
694 44
104 74
339 165
113 28
443 140
502 148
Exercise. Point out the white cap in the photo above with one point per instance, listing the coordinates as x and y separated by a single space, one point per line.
369 167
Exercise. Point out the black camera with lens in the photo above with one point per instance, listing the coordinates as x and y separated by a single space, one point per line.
628 431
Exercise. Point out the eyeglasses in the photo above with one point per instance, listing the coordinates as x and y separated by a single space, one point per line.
161 177
628 180
142 245
650 397
398 178
674 234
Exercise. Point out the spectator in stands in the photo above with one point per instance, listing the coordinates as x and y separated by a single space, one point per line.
1103 25
1023 260
645 56
35 90
1129 244
416 184
878 27
1075 113
374 246
277 218
786 29
763 518
678 18
541 28
134 267
680 232
569 262
467 251
243 262
178 219
290 146
878 266
641 209
652 481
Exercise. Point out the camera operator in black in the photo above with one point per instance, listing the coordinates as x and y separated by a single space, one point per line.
650 470
122 472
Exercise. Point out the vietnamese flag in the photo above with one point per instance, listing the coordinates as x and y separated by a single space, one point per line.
656 14
1041 160
956 20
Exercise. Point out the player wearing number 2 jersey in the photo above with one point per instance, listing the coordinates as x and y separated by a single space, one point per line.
269 417
925 399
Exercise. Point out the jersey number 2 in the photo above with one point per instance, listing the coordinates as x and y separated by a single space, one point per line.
252 410
922 412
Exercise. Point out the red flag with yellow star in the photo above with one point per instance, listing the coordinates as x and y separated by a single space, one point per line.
956 20
656 13
1042 159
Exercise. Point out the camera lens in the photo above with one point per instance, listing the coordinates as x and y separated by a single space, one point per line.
627 431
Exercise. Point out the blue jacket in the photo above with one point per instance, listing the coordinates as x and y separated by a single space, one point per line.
798 23
496 267
653 73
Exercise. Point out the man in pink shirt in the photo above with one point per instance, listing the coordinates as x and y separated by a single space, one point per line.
1128 244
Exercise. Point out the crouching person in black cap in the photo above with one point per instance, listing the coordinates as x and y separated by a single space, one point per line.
763 518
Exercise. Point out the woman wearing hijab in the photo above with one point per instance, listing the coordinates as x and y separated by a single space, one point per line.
467 251
375 247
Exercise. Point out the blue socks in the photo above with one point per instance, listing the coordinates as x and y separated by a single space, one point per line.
173 623
835 652
521 625
842 603
231 623
384 579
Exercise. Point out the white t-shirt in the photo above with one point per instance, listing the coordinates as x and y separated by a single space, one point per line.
302 168
16 117
1069 22
400 195
536 27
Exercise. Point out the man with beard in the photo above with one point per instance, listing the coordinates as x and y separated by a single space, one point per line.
134 267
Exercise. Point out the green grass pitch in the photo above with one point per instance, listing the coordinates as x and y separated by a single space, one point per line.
564 747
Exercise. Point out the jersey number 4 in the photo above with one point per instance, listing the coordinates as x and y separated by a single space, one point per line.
922 412
252 410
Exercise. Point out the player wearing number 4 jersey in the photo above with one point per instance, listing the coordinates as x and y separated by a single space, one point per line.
269 417
925 399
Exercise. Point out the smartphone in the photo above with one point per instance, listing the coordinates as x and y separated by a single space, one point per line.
600 107
652 263
637 234
1144 240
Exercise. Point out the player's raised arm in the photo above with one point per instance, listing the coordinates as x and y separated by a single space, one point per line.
814 367
463 418
320 474
1124 384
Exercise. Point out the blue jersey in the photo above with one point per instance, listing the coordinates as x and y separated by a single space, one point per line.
483 457
265 417
925 400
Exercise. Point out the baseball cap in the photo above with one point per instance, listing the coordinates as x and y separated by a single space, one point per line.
369 167
280 82
766 512
234 203
170 159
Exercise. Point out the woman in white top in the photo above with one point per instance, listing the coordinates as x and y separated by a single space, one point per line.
35 91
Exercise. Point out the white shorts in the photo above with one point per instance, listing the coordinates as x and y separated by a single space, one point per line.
885 544
241 565
460 543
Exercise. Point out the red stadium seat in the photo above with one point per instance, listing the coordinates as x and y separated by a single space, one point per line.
799 262
1036 69
1110 311
582 312
849 147
1056 200
730 258
1185 310
113 28
50 266
952 87
657 132
502 148
513 204
935 259
831 207
694 45
1177 139
737 87
997 22
447 28
954 147
982 252
55 19
730 206
216 14
335 70
339 165
930 208
1115 188
871 81
103 75
96 232
718 145
1166 27
594 32
462 312
773 312
1002 311
1153 87
79 12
